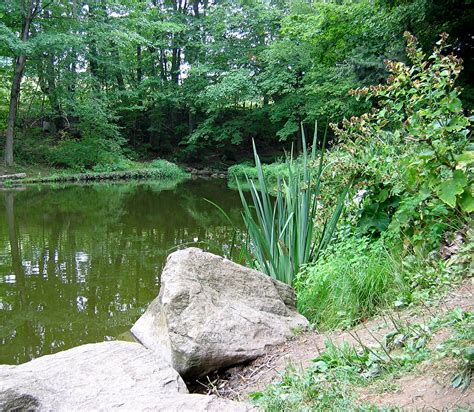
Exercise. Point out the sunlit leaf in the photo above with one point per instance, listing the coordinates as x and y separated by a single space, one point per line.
449 189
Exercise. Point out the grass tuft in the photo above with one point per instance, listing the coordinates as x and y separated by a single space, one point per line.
348 285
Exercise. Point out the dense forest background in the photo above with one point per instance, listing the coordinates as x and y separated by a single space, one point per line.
104 81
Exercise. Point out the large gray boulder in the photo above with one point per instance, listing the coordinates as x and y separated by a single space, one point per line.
96 376
212 313
102 377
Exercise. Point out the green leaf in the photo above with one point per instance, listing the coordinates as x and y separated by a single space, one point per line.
466 201
469 354
321 366
255 395
457 381
427 154
465 158
455 105
383 195
449 189
457 123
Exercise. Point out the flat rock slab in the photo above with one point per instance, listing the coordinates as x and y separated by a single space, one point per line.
212 313
101 377
13 176
98 376
196 403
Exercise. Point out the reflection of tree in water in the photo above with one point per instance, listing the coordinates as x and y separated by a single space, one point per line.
86 259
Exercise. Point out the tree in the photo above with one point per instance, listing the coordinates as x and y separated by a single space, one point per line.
28 9
177 77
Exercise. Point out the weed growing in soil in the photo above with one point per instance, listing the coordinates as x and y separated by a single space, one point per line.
331 382
460 346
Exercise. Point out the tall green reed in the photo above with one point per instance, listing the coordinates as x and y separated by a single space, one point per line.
281 227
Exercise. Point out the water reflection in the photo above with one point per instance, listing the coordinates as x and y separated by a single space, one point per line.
78 264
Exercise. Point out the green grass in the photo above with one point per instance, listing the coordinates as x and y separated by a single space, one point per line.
349 284
359 276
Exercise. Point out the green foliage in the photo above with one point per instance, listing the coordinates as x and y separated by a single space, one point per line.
234 88
81 154
204 80
281 229
460 346
166 167
120 164
463 378
272 172
329 382
358 277
351 282
420 135
428 278
301 390
33 148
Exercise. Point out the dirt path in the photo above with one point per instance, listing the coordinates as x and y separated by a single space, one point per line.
428 386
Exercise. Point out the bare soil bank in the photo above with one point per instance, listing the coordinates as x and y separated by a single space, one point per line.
428 386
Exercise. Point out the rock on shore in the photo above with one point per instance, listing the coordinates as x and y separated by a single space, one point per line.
101 377
212 313
106 374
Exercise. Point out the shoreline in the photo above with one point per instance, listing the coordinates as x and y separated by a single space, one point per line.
166 171
179 172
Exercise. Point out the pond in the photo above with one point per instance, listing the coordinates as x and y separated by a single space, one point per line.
80 263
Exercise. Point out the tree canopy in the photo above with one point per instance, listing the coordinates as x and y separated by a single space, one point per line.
184 79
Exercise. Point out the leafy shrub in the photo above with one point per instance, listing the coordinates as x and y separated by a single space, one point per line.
168 168
348 284
79 154
428 277
101 142
32 148
415 144
121 164
272 172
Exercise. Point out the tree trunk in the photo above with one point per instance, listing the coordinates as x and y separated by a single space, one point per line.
196 7
175 65
139 65
118 73
15 89
57 115
190 121
163 63
96 14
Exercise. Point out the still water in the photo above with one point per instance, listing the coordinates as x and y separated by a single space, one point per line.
79 264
